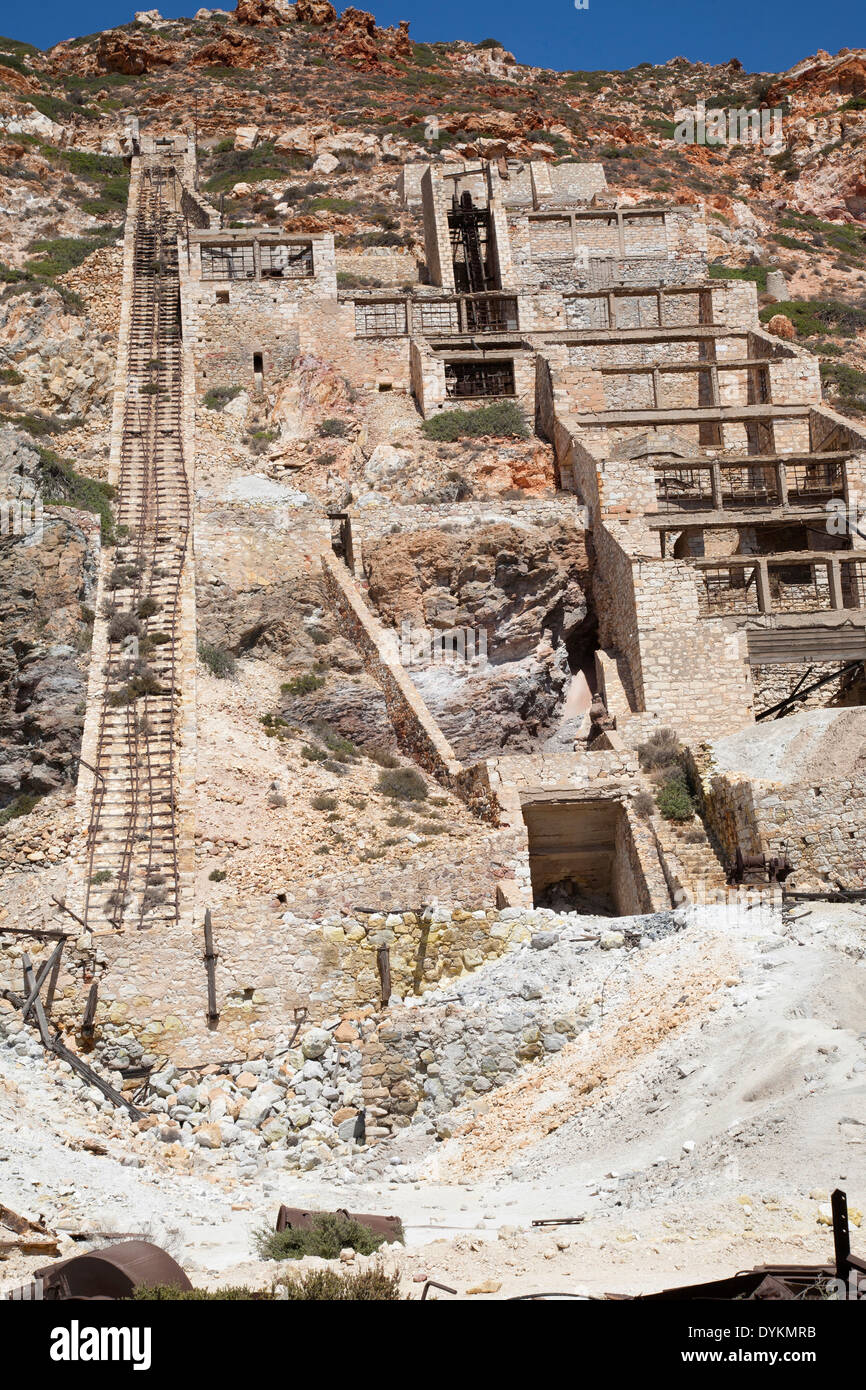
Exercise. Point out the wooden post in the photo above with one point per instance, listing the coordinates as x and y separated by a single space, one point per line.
31 998
51 964
383 962
762 574
87 1024
210 959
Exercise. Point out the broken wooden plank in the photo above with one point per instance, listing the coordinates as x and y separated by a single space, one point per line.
51 964
29 1245
21 1225
87 1021
33 996
210 960
55 974
58 1048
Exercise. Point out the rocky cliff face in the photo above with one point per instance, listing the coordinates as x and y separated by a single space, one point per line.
521 589
47 587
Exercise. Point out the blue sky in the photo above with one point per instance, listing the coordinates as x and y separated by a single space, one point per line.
766 35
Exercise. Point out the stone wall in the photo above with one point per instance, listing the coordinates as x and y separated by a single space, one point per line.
416 730
821 829
461 1043
689 670
389 265
231 320
775 682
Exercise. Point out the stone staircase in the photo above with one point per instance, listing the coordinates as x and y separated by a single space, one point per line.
692 865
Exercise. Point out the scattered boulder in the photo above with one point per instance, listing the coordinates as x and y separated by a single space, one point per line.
782 327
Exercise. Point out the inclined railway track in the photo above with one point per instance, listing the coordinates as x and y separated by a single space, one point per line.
132 852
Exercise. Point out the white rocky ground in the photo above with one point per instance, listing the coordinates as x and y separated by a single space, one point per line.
697 1126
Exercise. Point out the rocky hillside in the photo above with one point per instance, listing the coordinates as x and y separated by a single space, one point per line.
304 118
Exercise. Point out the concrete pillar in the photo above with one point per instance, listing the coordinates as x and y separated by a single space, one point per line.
716 485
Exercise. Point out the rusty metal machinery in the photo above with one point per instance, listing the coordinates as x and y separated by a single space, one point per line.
388 1226
111 1273
752 867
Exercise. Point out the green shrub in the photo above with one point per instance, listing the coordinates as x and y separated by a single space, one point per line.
342 748
101 876
756 273
402 784
313 754
329 1233
304 684
813 316
217 875
63 487
123 625
502 420
333 428
218 659
59 254
674 799
9 377
849 384
218 397
21 806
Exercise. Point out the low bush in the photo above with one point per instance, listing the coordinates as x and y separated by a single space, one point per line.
123 625
848 383
644 805
63 487
167 1293
324 803
55 256
755 273
218 397
327 1285
333 428
311 754
144 683
329 1233
21 806
402 784
660 749
218 660
813 316
674 799
304 684
341 748
502 420
381 756
217 875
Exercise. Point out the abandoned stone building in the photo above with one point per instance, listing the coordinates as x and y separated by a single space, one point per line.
692 444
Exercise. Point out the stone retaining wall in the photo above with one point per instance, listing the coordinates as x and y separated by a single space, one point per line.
416 730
